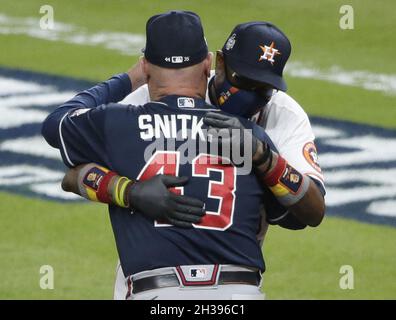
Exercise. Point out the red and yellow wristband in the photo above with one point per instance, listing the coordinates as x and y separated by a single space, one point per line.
285 182
97 183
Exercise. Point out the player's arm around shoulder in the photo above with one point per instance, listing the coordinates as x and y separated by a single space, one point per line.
289 127
109 91
77 126
152 197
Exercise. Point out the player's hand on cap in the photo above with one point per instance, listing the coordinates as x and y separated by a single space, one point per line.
153 199
231 134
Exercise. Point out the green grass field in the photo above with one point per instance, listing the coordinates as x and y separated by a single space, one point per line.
76 239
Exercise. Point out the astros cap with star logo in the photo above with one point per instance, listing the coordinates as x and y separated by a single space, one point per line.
258 51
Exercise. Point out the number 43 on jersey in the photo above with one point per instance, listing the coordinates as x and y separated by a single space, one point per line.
168 162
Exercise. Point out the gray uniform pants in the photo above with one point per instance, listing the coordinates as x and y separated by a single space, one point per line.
221 292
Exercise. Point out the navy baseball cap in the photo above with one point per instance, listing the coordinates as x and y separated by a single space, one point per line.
175 39
258 51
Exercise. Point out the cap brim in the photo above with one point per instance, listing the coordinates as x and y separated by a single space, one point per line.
252 73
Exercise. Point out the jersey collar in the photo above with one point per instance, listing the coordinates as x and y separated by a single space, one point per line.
183 102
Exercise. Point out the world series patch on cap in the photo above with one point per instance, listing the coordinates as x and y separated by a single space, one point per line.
258 51
175 39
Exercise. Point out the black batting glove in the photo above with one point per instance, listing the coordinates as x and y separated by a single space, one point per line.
153 199
232 134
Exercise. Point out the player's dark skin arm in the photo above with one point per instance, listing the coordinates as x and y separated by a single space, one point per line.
152 198
310 209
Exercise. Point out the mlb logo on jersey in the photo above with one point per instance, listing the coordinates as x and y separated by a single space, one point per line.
185 102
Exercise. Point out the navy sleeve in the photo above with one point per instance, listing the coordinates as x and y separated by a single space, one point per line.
82 137
77 126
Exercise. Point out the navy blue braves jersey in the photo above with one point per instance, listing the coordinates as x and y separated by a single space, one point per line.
90 128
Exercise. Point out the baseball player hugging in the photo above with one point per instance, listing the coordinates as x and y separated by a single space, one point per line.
194 165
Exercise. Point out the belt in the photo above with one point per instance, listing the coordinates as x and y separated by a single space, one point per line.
171 280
